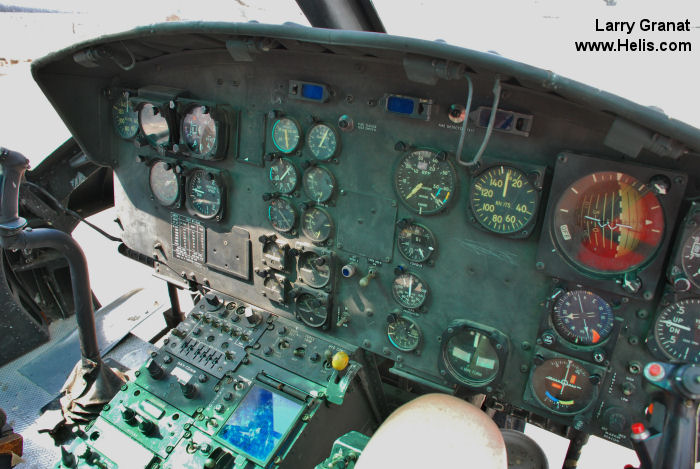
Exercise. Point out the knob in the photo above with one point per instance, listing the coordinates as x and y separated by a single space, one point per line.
188 389
154 369
681 283
213 301
67 458
147 427
321 260
364 281
340 361
129 415
253 317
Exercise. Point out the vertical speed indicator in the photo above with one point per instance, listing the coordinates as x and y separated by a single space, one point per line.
503 200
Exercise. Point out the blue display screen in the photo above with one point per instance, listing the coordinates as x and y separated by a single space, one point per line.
400 105
260 422
312 91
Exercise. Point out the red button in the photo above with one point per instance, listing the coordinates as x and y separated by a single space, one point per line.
638 428
655 369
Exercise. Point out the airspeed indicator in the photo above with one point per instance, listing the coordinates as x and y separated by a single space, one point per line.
503 200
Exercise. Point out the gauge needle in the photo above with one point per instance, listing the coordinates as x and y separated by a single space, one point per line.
505 186
585 328
323 139
673 324
289 168
410 288
439 202
286 139
418 187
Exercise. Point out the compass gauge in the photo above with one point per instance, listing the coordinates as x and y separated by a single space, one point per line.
425 181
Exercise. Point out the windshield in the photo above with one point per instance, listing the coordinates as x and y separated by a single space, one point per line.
542 33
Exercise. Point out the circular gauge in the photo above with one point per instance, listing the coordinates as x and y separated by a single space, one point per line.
311 310
470 357
125 117
677 331
409 290
274 289
284 176
314 270
199 131
154 125
690 257
416 242
282 215
582 317
319 184
204 194
403 333
286 135
608 223
316 224
502 199
425 182
165 184
562 385
323 141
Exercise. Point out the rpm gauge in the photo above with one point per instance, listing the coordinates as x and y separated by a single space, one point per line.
284 176
416 242
503 200
322 141
199 130
154 125
165 184
204 194
677 331
608 223
409 290
125 117
582 317
282 215
690 257
562 385
316 224
314 270
286 135
425 181
403 333
319 184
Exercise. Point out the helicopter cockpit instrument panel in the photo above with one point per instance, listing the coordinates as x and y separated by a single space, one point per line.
313 176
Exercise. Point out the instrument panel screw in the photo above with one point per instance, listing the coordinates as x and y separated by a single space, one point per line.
366 343
539 265
633 340
523 368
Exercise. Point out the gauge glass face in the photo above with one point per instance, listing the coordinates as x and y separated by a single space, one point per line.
164 183
125 117
313 271
690 257
319 184
154 125
310 310
416 242
562 385
284 176
608 222
582 317
677 331
286 135
199 130
409 290
424 183
471 357
282 215
503 200
204 194
316 224
404 334
323 141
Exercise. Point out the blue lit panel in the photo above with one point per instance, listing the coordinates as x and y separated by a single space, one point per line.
314 92
400 105
260 423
